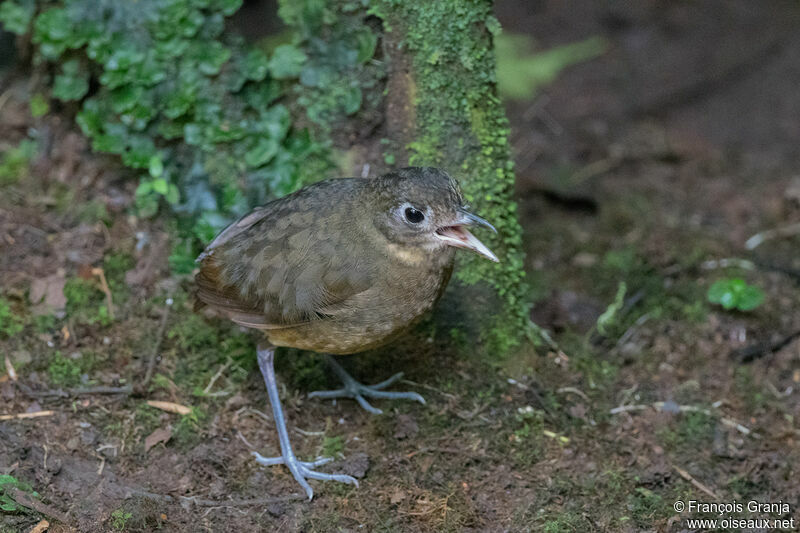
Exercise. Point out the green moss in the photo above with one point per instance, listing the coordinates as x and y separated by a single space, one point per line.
10 322
647 507
567 522
188 430
119 519
332 446
692 431
86 303
14 163
461 126
44 323
64 371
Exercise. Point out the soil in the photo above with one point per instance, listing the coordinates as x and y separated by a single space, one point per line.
648 165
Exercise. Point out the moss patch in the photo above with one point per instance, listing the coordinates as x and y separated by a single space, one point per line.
460 125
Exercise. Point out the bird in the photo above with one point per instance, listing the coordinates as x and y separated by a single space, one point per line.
338 267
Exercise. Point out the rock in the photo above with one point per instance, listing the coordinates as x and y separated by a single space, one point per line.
405 427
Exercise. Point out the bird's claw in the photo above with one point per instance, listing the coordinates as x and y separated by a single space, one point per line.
302 470
359 392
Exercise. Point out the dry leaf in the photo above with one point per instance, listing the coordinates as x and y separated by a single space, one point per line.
398 496
47 294
159 435
170 407
10 369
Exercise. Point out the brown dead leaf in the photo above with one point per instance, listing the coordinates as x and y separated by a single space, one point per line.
159 435
10 369
170 407
47 294
398 496
41 527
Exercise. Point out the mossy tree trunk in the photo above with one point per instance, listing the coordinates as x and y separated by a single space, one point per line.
442 110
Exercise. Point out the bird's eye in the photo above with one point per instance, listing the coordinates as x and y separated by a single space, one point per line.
414 216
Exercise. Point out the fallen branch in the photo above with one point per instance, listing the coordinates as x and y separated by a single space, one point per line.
202 502
688 477
151 361
21 416
784 231
758 350
672 407
25 500
216 376
80 391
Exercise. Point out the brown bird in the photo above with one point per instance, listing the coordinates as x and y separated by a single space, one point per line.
339 267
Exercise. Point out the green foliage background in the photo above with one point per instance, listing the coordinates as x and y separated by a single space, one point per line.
204 119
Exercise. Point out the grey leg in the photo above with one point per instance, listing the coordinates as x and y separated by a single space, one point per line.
354 389
301 470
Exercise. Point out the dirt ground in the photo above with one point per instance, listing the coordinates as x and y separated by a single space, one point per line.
649 165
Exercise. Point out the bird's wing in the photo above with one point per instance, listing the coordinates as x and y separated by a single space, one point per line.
289 262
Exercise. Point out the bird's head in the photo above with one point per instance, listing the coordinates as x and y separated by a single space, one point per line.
423 206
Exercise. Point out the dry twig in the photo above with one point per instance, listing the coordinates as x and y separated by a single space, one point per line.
669 407
106 290
170 407
151 361
25 500
783 231
21 416
688 477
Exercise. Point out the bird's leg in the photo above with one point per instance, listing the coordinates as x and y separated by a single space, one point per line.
301 470
356 390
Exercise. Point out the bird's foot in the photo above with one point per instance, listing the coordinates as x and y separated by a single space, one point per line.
359 391
303 470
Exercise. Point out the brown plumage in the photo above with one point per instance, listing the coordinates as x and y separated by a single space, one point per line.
341 266
322 270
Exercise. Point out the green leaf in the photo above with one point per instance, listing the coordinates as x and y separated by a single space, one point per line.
160 186
735 293
89 118
39 105
72 83
522 71
214 55
140 150
124 98
15 17
261 154
144 188
609 316
352 100
367 42
228 7
287 62
255 65
173 194
52 30
750 297
155 166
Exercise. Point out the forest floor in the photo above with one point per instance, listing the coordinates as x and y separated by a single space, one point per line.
647 165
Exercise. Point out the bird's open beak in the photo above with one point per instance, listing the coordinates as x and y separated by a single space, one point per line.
457 234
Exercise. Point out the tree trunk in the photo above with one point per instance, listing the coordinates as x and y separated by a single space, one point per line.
442 110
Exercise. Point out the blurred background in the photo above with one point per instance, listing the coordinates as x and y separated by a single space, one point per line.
655 147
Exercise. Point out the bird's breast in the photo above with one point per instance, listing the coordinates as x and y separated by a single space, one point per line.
379 314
